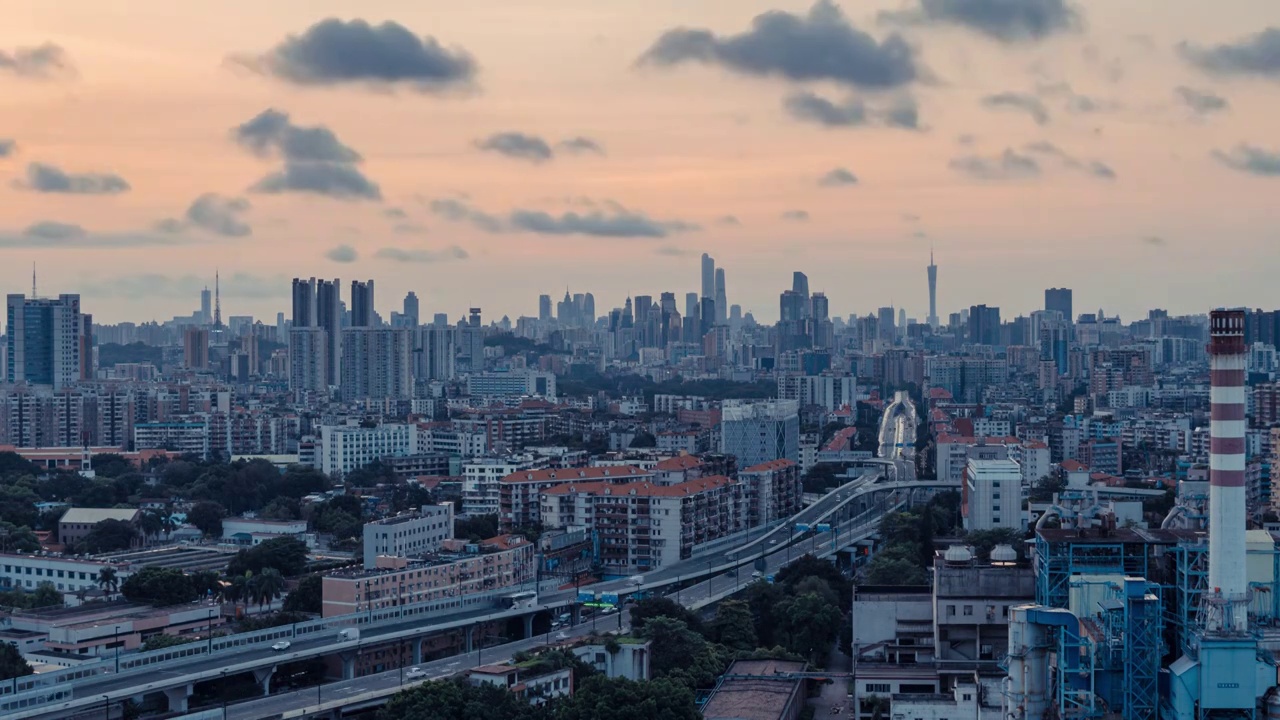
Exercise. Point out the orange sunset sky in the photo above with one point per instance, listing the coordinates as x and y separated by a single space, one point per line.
486 151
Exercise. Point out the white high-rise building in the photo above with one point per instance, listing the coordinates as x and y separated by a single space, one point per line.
758 432
993 495
344 448
308 357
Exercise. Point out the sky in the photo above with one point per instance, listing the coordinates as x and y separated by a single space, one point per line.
485 152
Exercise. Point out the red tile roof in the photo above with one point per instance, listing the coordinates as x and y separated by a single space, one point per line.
771 465
643 488
680 462
614 472
1074 466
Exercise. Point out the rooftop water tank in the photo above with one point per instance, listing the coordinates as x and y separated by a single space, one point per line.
958 555
1004 554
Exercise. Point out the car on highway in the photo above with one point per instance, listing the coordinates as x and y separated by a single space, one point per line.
282 645
562 636
414 673
609 610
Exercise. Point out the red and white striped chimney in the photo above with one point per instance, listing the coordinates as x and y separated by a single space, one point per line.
1227 579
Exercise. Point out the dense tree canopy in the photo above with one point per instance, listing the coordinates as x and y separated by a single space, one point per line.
160 587
286 554
307 597
12 664
109 536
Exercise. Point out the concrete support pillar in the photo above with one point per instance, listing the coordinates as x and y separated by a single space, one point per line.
470 640
528 627
417 651
577 613
263 676
348 665
177 697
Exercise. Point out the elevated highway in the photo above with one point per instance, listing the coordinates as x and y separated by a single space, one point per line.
175 671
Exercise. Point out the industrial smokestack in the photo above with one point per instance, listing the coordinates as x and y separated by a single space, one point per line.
1227 582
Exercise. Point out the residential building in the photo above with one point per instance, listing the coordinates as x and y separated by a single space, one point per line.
179 436
409 534
536 688
954 452
630 660
255 531
757 432
773 490
512 383
519 494
343 448
991 495
308 358
377 363
195 348
481 480
467 578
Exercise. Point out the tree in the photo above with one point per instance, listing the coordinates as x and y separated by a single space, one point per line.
809 623
109 536
15 538
307 597
480 527
12 464
46 595
653 607
601 698
159 586
733 626
1044 488
683 655
983 541
151 523
267 586
644 440
302 480
286 554
107 580
207 516
889 570
110 465
282 508
12 664
455 700
163 640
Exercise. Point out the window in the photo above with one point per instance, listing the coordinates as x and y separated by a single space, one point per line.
968 610
877 687
951 611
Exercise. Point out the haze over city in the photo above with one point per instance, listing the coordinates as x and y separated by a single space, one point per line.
483 153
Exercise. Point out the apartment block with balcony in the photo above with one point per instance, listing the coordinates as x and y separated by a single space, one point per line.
773 491
519 494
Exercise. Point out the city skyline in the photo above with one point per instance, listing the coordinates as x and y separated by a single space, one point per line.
1082 146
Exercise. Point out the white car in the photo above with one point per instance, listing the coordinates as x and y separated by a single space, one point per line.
562 636
282 645
414 673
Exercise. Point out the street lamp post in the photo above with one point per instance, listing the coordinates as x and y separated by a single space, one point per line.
210 631
106 706
223 687
115 640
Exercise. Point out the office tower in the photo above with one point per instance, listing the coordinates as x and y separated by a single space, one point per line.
722 298
564 310
377 363
791 306
308 359
589 310
249 348
304 300
195 348
206 306
902 323
884 324
471 341
411 309
821 309
933 293
691 322
667 302
88 363
44 341
1059 299
708 277
1053 336
800 286
328 317
984 325
760 432
642 307
735 315
544 308
217 301
440 319
362 304
707 314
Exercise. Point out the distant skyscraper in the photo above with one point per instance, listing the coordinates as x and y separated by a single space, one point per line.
362 304
544 308
885 324
411 309
328 317
304 301
800 286
195 348
902 323
589 310
206 306
377 363
707 314
933 293
791 306
1059 299
984 325
821 309
692 324
44 341
708 277
722 299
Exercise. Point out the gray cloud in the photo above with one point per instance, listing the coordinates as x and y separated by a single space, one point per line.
408 228
170 226
342 254
1009 165
673 251
49 234
728 220
1257 54
1202 102
838 177
1074 102
1155 241
517 145
272 134
420 255
614 221
1250 159
1004 20
579 145
316 161
150 285
796 215
1096 168
43 62
335 180
333 52
49 179
853 112
395 213
821 45
7 147
1021 102
220 215
459 211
